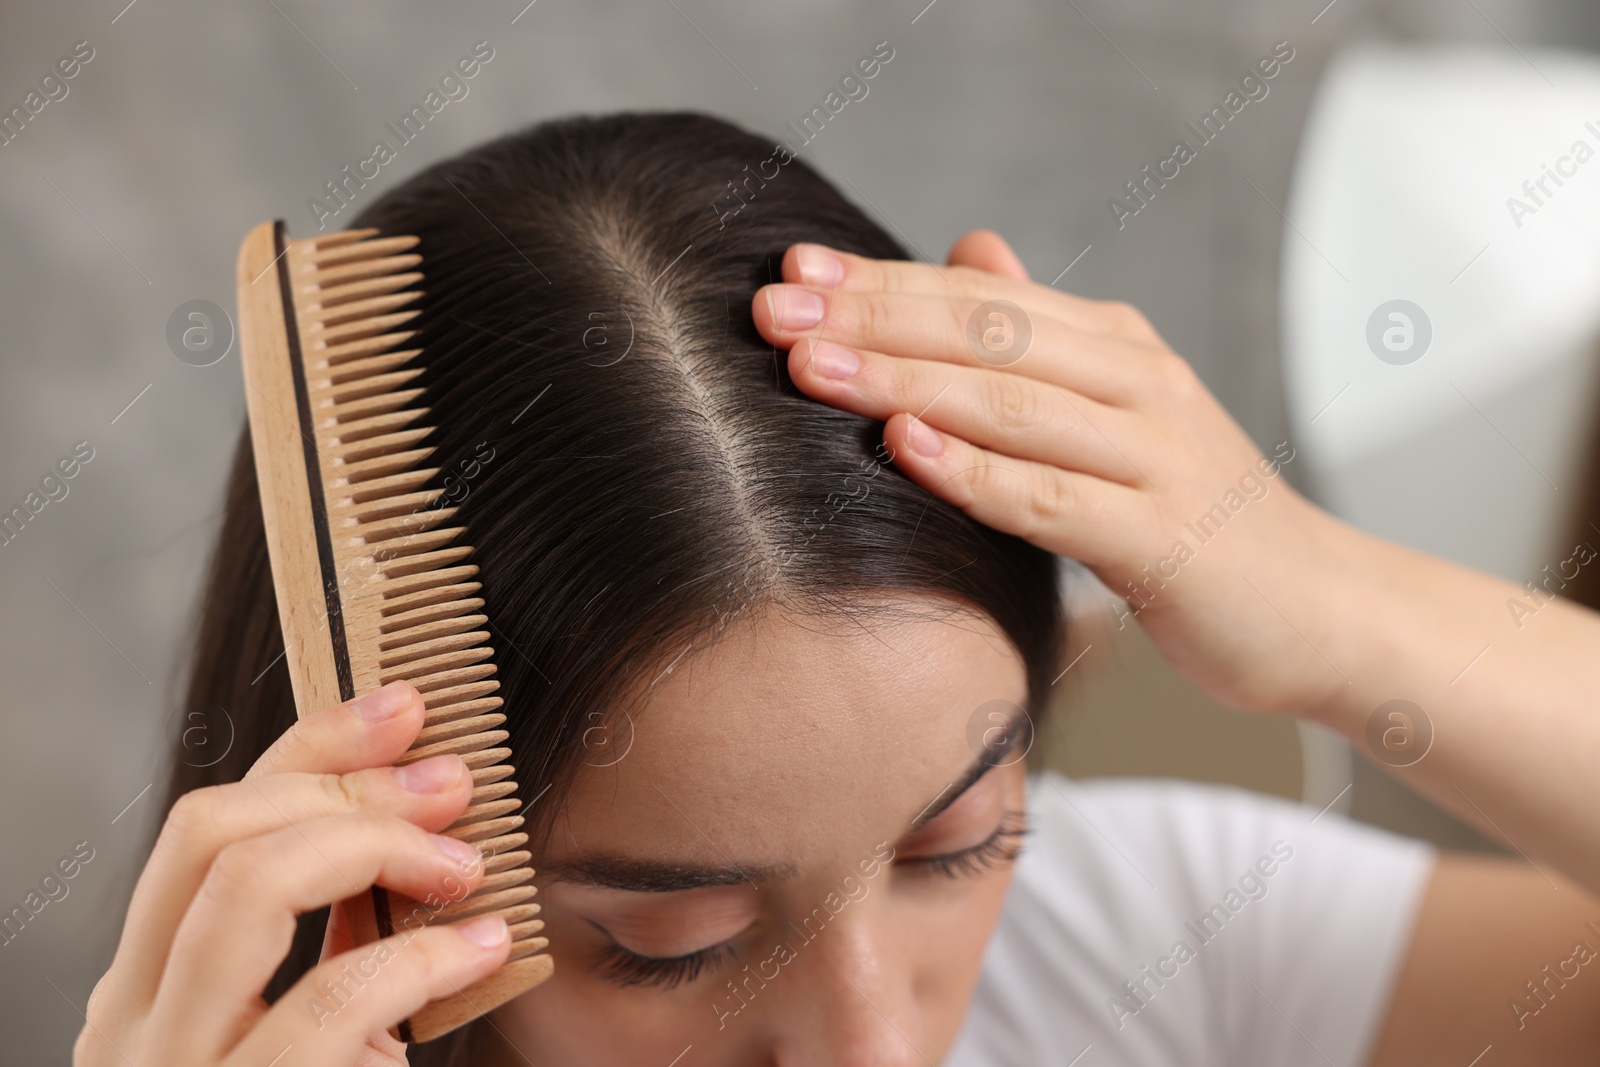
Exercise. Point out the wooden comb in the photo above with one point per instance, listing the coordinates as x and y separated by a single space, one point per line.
371 583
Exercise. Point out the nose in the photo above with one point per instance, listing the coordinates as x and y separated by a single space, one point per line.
851 999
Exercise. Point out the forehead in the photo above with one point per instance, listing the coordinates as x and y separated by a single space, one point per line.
792 733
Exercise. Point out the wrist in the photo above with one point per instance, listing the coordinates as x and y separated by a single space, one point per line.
1398 624
1355 613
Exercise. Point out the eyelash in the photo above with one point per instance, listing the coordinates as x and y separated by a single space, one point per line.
627 968
631 969
997 850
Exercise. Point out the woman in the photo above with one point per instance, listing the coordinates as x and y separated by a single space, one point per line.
770 665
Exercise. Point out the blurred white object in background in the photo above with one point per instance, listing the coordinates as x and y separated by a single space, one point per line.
1464 183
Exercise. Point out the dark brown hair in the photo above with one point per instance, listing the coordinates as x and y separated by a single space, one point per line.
631 459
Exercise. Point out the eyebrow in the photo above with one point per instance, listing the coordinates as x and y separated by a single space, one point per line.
985 762
648 876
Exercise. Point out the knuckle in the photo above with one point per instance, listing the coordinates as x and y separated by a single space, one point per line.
95 1011
1177 375
990 482
969 279
194 815
1124 318
903 382
872 316
1013 400
341 792
1050 499
432 956
237 872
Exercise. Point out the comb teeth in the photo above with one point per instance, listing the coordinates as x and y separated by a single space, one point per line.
411 607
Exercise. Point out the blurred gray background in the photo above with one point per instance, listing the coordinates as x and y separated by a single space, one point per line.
194 121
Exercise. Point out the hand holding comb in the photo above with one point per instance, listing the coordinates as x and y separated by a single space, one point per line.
372 584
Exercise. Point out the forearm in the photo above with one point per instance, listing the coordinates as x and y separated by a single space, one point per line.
1512 694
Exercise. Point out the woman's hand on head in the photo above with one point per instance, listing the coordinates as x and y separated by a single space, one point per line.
319 818
1070 423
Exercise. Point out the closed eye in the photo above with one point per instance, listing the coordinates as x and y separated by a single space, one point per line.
1001 847
628 968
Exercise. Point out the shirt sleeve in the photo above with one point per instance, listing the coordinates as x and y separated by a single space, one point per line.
1161 922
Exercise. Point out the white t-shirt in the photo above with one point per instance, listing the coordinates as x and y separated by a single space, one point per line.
1184 925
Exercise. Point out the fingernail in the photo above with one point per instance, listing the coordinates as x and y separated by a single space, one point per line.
818 266
462 853
432 775
385 703
794 308
833 361
486 933
924 439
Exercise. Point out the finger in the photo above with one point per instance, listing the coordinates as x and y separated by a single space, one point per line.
1065 512
336 1008
431 793
382 1051
337 936
987 251
831 269
1005 413
370 731
239 927
937 328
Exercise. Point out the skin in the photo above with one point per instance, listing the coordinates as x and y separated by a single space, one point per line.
796 749
802 763
1100 443
790 770
213 912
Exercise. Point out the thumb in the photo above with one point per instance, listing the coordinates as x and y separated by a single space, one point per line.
381 1050
988 251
